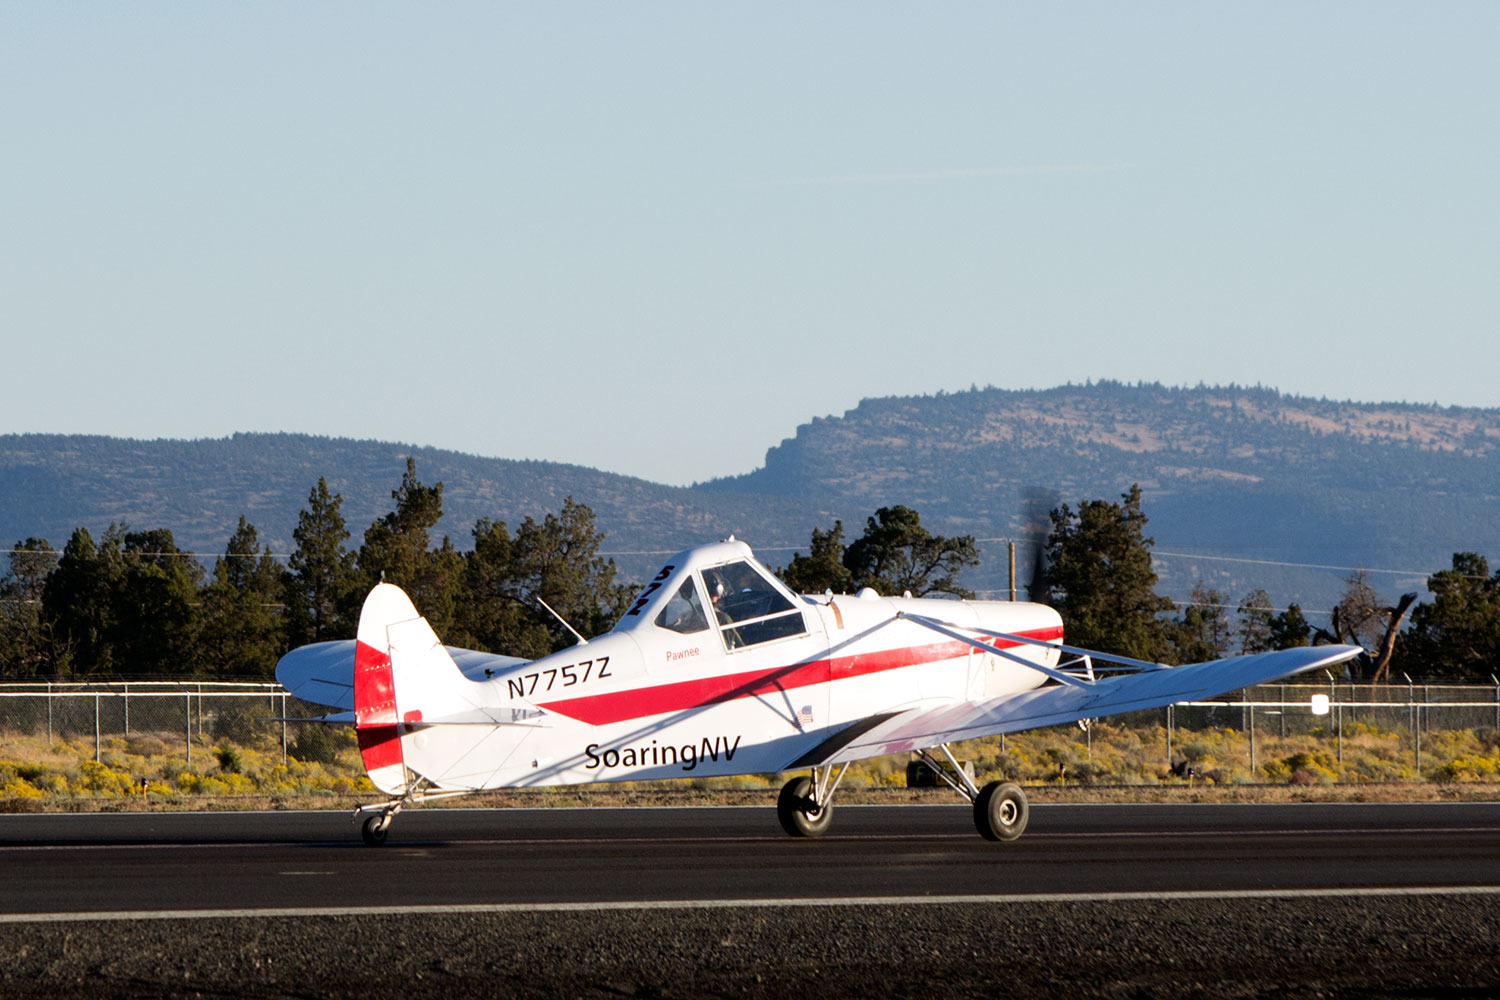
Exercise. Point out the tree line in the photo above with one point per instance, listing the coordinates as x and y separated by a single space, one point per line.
1096 570
132 605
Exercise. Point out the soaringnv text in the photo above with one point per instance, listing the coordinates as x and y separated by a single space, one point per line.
687 756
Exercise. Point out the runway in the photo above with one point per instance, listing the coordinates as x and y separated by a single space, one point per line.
905 901
123 863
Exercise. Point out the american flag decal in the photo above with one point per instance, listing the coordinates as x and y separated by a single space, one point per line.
805 717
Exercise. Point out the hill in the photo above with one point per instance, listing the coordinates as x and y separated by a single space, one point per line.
51 483
1247 473
1236 481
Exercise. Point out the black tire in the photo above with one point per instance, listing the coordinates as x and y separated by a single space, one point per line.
1000 811
795 810
374 829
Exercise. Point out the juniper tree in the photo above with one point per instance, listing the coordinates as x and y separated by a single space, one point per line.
242 633
1098 575
319 582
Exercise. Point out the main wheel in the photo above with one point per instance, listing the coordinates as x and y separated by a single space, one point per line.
1000 811
375 828
799 816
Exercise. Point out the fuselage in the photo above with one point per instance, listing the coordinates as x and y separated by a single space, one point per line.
718 669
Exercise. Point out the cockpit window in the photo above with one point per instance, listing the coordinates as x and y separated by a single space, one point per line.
748 608
684 612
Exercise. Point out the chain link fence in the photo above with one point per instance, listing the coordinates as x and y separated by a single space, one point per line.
188 715
199 714
1289 709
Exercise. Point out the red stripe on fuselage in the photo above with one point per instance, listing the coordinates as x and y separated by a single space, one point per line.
636 703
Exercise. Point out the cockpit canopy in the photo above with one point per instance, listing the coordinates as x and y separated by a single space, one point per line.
718 586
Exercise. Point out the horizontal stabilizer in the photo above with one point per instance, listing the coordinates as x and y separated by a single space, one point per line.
323 673
333 719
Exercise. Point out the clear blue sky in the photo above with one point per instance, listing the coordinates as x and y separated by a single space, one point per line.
655 238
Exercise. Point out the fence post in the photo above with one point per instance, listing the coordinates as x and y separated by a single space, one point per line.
283 729
1411 723
1250 729
1340 727
96 727
127 709
187 715
49 710
1169 737
1417 741
1282 689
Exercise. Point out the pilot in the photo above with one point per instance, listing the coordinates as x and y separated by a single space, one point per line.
716 592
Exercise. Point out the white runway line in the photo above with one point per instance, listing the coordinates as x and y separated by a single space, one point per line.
730 904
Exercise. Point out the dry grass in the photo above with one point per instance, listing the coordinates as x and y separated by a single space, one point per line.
1126 763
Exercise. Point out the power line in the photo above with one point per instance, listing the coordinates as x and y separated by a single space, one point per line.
1155 554
1201 604
1292 565
1284 564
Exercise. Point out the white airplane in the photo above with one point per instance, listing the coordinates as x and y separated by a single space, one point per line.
718 669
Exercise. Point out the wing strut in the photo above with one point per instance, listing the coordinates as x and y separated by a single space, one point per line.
962 784
951 632
1125 662
1115 661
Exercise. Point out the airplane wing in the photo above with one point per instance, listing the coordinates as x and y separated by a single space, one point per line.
323 673
922 728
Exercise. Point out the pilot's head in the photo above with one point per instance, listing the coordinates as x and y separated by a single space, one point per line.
715 584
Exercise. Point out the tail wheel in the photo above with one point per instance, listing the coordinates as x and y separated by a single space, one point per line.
1000 811
800 816
375 828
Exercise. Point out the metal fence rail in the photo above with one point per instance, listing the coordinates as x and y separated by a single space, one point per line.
1287 707
1282 710
194 711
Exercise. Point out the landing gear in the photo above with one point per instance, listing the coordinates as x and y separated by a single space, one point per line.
805 806
800 816
375 821
375 828
1000 811
375 825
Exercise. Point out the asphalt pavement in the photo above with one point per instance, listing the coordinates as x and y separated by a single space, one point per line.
1356 900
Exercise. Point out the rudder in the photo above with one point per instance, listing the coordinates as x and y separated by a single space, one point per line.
376 722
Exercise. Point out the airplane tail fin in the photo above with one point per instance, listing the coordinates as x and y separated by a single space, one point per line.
375 716
402 674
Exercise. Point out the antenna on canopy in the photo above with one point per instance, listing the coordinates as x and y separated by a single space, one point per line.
581 640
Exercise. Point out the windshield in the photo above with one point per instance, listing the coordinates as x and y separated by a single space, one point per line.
748 607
